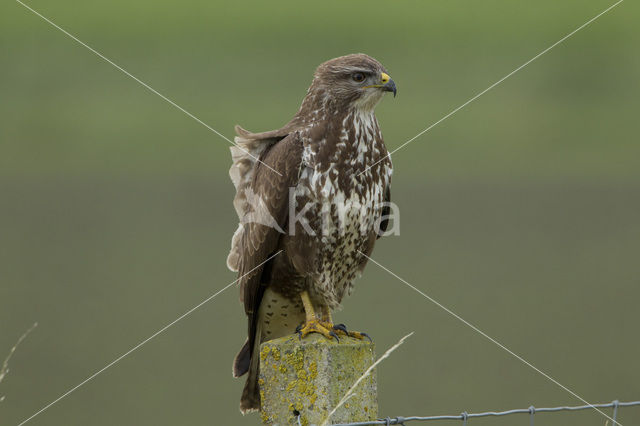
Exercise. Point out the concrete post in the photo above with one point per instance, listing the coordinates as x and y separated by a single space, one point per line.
310 376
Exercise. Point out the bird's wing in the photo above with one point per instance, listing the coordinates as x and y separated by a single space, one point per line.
249 147
265 222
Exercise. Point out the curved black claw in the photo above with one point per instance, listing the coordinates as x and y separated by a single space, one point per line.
299 331
341 327
315 326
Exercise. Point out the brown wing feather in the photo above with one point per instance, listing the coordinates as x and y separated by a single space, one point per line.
260 241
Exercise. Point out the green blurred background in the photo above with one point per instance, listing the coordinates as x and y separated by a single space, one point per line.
521 212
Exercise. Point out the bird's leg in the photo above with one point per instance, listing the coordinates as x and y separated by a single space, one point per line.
327 321
312 324
326 315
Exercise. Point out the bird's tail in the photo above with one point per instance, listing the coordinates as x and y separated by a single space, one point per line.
242 360
276 319
248 360
250 400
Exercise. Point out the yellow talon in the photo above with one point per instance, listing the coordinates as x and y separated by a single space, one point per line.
341 329
315 326
324 326
312 324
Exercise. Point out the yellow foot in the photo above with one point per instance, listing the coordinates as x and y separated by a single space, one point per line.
341 329
315 326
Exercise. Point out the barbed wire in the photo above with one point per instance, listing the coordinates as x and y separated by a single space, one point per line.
532 411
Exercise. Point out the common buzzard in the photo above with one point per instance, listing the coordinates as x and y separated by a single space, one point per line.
317 197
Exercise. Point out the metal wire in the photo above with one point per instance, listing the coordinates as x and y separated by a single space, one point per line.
465 416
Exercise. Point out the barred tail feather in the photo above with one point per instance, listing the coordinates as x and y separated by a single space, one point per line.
250 399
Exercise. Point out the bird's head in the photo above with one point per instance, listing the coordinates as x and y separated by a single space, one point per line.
352 81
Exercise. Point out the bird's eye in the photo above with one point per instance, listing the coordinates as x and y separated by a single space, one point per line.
358 77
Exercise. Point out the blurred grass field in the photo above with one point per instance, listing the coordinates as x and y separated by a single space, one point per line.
520 212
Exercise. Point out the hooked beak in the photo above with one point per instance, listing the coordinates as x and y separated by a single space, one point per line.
388 85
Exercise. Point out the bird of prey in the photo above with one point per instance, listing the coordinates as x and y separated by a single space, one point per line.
310 197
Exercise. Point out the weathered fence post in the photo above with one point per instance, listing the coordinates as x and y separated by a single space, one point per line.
308 377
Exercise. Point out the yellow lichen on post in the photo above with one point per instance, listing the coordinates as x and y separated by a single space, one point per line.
309 377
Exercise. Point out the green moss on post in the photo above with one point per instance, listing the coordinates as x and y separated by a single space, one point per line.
311 375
